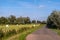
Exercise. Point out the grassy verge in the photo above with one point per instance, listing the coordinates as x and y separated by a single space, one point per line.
57 31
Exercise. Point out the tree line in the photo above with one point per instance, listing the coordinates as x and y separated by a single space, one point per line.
17 20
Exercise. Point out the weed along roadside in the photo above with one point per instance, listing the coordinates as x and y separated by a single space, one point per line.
12 30
22 35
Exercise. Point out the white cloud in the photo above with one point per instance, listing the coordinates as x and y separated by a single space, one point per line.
30 5
49 1
41 6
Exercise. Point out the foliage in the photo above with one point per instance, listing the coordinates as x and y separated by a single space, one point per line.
43 22
38 21
33 21
3 20
13 20
53 20
20 20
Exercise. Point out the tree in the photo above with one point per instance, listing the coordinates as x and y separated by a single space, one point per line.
43 22
53 20
38 21
3 20
23 20
20 20
12 19
33 21
27 20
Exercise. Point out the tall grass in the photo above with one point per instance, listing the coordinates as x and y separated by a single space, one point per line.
6 32
22 36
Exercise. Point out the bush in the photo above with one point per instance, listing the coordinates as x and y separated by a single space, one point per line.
53 20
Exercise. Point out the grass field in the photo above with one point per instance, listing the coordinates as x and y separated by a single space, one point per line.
23 34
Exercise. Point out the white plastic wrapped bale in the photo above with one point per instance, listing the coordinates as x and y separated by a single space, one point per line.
17 25
34 25
7 25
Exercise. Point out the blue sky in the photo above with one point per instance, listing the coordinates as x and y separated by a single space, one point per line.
35 9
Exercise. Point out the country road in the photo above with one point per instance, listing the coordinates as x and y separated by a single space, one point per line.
43 34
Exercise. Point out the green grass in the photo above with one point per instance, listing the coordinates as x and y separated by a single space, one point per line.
57 31
23 35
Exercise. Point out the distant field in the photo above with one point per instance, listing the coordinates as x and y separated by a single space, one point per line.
22 30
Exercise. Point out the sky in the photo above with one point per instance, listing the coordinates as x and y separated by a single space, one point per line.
35 9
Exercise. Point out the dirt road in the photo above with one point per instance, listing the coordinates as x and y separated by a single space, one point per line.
43 34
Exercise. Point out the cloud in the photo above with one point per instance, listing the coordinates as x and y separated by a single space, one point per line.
49 1
41 6
30 5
